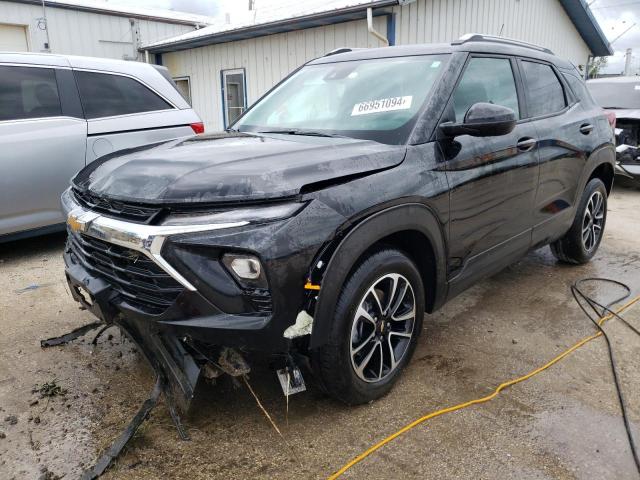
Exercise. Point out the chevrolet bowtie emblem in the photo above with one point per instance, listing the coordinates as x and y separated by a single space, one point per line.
79 220
74 223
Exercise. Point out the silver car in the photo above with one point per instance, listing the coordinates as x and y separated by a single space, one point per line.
59 113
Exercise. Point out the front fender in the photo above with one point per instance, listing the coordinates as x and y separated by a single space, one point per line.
414 217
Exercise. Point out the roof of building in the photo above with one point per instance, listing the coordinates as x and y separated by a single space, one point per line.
296 15
104 7
286 16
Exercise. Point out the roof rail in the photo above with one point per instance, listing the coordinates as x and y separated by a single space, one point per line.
340 50
479 37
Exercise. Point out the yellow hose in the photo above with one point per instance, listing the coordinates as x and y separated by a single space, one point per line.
476 401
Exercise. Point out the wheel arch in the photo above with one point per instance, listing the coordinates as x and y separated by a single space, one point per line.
412 228
604 171
599 164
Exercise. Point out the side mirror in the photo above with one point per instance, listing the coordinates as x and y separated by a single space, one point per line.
482 120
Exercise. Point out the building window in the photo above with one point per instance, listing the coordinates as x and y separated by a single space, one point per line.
184 87
234 95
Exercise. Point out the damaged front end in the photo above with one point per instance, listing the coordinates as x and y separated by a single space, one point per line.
188 292
196 292
196 299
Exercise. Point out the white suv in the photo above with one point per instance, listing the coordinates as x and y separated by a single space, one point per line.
59 113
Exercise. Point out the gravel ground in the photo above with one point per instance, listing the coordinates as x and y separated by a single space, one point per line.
564 423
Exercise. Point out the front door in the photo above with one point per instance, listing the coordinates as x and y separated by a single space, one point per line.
492 180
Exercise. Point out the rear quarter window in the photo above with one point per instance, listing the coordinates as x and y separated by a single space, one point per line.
579 88
106 95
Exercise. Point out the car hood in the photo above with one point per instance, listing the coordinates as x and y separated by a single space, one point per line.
232 167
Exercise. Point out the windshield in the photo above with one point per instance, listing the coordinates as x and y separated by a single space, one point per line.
616 94
375 99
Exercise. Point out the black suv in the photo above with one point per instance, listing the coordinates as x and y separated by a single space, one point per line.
366 188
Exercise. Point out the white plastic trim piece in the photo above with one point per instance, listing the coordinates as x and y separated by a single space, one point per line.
303 326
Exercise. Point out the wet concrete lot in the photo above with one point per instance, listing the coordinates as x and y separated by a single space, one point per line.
564 423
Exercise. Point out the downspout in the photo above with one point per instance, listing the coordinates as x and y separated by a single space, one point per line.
372 30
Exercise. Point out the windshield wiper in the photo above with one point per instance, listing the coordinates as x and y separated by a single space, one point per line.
307 133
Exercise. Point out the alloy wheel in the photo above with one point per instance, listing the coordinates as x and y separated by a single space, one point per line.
593 221
382 327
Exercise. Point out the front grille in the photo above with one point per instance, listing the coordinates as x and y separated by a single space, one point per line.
140 281
115 208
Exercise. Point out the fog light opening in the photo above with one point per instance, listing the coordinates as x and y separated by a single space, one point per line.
244 266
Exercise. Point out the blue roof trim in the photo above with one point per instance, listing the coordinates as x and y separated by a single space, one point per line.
588 27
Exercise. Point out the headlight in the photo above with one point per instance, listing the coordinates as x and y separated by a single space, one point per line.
247 215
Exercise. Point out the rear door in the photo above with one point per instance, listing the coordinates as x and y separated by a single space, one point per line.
122 112
42 144
492 180
566 133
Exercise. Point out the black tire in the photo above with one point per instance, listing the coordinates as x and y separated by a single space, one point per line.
572 248
333 364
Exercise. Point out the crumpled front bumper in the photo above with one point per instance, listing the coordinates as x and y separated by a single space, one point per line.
162 348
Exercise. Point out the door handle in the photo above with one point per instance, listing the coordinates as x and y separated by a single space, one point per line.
586 128
526 144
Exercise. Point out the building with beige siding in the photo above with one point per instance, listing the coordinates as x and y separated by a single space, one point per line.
227 67
88 27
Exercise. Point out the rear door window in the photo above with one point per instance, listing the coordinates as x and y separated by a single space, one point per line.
105 95
28 92
488 80
545 94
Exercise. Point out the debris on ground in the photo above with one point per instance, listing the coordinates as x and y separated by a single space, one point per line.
68 337
232 363
49 389
35 445
46 474
33 286
11 419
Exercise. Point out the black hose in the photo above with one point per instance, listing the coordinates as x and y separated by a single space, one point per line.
579 295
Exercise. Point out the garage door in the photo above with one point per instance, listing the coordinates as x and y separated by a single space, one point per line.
13 38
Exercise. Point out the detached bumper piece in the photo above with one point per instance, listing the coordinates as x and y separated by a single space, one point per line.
176 377
176 370
116 447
